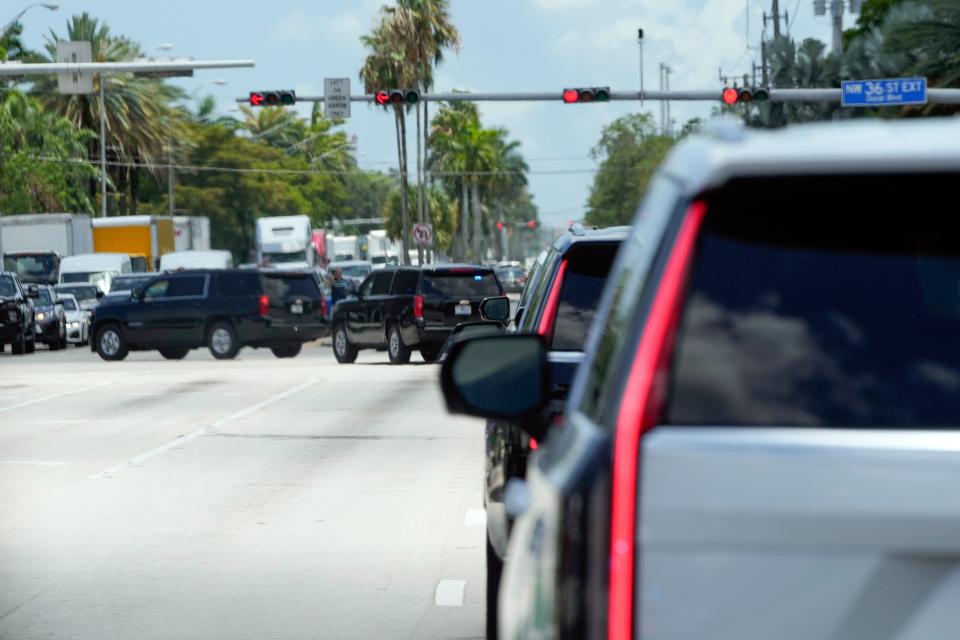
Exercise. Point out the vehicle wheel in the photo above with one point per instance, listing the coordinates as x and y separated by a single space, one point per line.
222 341
174 353
430 352
31 344
111 344
54 345
399 353
286 350
345 352
63 336
18 345
494 571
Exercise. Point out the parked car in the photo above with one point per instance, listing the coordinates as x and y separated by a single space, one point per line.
410 308
78 322
50 317
758 440
512 277
224 310
560 305
16 314
87 295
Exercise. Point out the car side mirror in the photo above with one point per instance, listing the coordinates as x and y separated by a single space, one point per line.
495 309
502 377
100 294
33 291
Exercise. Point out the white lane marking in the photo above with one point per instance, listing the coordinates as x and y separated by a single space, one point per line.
62 394
176 442
38 463
475 518
99 421
449 593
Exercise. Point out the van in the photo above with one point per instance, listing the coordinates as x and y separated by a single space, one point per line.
95 268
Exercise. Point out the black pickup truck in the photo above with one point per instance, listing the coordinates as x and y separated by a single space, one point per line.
223 309
410 308
16 314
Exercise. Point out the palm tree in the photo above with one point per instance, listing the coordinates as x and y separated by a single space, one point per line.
930 34
386 66
276 126
140 117
449 158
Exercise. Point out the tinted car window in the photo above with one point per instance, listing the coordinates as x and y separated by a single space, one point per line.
281 286
7 287
366 286
470 283
69 304
843 315
534 294
405 282
44 299
381 283
237 284
186 286
157 289
586 274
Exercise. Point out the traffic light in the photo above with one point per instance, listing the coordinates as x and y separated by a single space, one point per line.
500 225
396 97
272 98
733 95
532 224
586 94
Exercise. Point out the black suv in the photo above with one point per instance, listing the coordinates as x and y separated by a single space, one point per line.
559 303
410 308
51 318
16 315
223 309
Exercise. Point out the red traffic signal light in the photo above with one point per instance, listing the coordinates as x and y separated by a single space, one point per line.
396 97
732 95
272 98
500 225
532 224
586 94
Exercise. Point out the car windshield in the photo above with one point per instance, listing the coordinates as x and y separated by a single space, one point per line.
354 270
8 287
44 299
81 276
32 266
460 282
69 304
83 294
281 257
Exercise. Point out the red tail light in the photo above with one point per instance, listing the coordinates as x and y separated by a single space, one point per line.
550 309
640 409
323 307
264 305
418 307
534 445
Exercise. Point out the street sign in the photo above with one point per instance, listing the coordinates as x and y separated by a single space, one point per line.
889 92
74 83
423 235
336 97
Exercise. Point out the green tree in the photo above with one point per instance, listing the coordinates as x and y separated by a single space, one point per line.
141 120
930 33
43 159
630 150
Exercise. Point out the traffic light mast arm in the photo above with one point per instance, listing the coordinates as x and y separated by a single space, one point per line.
936 96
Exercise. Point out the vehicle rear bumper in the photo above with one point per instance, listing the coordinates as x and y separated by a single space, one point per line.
433 333
274 332
9 332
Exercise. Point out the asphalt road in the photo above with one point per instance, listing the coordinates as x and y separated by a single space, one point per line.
255 498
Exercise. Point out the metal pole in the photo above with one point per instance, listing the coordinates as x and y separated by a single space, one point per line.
103 152
837 11
170 188
640 42
776 18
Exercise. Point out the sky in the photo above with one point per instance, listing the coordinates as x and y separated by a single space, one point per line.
507 45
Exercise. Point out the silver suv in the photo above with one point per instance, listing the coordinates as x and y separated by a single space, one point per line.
764 439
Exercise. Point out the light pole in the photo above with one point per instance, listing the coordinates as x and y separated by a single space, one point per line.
16 19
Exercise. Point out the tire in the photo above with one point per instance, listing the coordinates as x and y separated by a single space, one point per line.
399 353
222 341
494 571
63 337
110 343
430 353
19 344
31 344
54 344
343 351
174 353
286 350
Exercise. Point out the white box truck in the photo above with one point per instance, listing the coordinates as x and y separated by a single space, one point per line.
35 243
285 242
191 233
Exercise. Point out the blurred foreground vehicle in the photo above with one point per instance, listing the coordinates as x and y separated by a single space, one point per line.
16 315
223 310
762 435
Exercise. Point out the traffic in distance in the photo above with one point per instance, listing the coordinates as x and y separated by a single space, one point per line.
559 368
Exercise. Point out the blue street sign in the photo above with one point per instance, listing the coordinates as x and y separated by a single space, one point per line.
878 93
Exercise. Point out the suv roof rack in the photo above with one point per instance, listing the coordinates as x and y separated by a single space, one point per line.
578 229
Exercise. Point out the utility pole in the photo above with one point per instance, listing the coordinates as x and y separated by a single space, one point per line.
103 151
776 18
836 11
170 188
665 72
